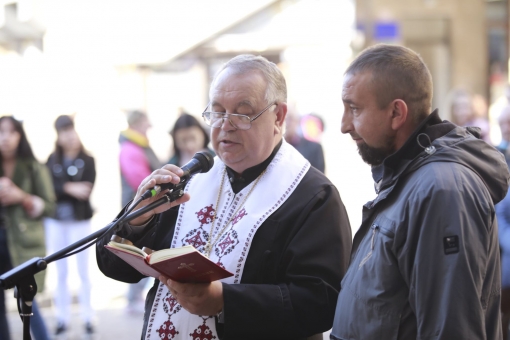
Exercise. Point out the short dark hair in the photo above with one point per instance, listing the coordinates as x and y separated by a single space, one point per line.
397 73
24 150
63 122
183 122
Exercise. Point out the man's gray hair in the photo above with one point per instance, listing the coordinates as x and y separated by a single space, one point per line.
134 117
276 90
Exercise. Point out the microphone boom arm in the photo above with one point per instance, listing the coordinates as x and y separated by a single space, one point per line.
22 276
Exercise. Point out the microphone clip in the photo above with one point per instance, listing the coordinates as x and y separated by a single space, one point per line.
176 190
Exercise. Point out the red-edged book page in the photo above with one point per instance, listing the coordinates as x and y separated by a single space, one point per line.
192 267
136 261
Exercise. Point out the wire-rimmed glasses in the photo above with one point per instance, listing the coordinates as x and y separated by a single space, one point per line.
241 122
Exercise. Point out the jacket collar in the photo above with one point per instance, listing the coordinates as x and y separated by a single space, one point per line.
395 164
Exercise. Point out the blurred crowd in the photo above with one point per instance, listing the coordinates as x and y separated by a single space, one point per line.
45 208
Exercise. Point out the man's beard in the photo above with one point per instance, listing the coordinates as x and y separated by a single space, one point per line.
372 155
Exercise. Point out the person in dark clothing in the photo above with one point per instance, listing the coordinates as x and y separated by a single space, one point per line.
425 262
503 214
262 212
189 137
74 173
309 149
5 265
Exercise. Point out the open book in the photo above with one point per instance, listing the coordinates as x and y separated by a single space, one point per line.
184 264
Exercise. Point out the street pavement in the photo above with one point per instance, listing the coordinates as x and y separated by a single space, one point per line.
111 320
110 324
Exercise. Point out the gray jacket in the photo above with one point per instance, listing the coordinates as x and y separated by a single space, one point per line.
425 262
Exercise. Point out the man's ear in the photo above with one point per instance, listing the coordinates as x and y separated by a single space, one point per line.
281 113
399 114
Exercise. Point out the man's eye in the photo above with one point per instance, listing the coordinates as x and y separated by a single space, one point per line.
353 109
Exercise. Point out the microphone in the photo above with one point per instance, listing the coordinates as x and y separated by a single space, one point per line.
201 162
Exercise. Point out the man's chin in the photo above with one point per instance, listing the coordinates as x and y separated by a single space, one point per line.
372 156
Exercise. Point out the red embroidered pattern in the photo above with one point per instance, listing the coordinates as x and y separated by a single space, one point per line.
203 332
239 216
167 330
195 240
205 215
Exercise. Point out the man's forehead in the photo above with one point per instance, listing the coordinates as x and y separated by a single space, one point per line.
358 80
215 101
240 89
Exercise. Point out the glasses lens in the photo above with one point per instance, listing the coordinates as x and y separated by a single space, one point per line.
215 120
241 122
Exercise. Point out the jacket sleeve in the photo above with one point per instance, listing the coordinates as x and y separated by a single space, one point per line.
134 165
303 297
446 250
58 183
113 266
503 214
89 173
43 188
156 235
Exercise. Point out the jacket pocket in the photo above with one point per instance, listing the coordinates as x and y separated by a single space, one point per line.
372 296
30 233
375 229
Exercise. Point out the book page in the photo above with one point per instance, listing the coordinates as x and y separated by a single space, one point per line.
135 260
128 248
166 254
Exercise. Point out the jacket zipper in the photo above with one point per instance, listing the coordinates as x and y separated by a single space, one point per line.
375 228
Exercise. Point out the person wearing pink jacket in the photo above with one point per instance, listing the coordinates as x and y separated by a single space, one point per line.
137 160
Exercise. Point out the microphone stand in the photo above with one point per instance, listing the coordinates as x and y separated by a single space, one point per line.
21 278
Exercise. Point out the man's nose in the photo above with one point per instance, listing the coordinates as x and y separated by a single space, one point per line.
346 125
226 125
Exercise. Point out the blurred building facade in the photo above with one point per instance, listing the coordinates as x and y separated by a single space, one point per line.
308 39
464 42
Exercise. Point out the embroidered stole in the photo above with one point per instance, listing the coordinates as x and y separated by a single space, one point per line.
167 319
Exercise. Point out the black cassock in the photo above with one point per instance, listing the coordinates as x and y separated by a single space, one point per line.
293 270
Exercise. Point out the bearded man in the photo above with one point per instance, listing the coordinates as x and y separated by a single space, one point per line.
425 261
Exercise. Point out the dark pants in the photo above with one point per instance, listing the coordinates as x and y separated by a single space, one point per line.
505 311
4 325
5 265
37 325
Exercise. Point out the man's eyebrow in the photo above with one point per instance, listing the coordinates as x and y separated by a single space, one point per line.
348 101
245 102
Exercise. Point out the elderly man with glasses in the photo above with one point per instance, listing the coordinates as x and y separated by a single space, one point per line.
261 212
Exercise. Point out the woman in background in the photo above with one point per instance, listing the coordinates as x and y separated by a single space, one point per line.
26 195
464 113
189 137
73 173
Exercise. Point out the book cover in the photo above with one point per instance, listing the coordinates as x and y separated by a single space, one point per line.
191 266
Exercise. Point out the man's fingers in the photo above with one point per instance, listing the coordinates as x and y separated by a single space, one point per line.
174 169
186 289
183 199
159 177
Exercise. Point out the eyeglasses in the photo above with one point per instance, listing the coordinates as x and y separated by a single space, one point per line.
241 122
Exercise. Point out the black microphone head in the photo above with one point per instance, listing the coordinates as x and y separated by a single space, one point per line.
206 160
